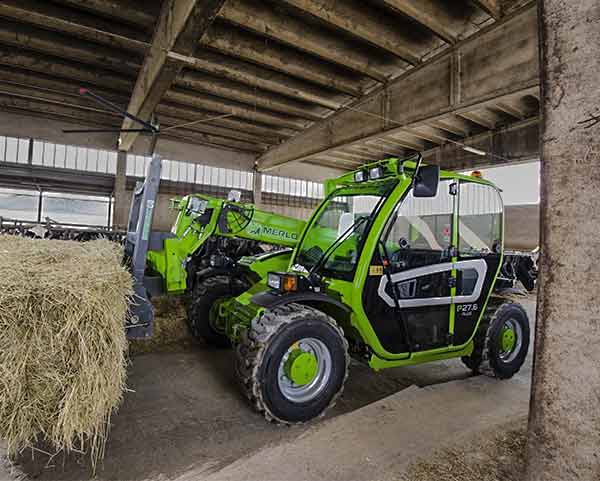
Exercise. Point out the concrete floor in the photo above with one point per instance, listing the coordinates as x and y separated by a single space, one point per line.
186 414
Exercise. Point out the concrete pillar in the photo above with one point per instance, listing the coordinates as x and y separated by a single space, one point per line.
257 189
121 208
564 423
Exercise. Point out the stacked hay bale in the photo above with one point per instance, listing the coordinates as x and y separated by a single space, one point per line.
62 342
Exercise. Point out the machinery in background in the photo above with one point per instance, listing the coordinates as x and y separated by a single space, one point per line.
208 239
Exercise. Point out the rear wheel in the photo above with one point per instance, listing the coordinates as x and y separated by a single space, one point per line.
501 343
203 307
292 363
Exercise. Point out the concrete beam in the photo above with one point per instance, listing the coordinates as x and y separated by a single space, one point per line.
283 59
168 122
261 18
270 134
564 434
359 21
516 143
491 7
127 11
52 97
79 24
52 106
501 60
63 69
215 104
428 13
62 46
251 74
196 137
39 81
49 110
28 85
180 24
252 96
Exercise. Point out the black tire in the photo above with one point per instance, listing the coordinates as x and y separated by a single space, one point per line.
262 348
204 295
488 357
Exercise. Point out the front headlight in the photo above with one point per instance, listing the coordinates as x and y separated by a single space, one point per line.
282 281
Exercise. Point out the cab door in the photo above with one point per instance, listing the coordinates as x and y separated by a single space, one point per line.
408 296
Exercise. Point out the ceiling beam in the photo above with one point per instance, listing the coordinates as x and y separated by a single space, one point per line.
63 86
58 93
407 141
499 61
359 21
491 7
267 21
131 12
428 13
480 117
334 161
214 104
56 111
180 24
453 124
78 24
246 46
64 69
208 139
209 128
82 25
242 93
62 46
270 134
258 77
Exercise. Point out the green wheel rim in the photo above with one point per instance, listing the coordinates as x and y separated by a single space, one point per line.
301 367
213 316
511 340
305 370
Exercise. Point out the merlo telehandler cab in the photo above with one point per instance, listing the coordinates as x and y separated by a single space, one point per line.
397 266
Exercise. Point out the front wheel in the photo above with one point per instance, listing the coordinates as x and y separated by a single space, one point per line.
203 307
292 363
502 342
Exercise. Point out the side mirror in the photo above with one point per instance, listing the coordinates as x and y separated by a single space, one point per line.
427 181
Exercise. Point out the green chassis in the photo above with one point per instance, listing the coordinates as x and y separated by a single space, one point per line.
200 217
237 313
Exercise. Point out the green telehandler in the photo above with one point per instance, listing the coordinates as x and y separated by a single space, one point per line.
400 264
198 256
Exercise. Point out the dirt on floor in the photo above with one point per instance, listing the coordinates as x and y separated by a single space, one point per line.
493 456
171 332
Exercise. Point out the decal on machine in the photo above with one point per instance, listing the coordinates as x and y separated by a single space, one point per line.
375 270
466 310
405 284
261 230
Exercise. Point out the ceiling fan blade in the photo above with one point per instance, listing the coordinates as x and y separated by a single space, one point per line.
81 131
117 109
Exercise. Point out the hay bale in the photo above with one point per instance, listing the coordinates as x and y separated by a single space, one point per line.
62 342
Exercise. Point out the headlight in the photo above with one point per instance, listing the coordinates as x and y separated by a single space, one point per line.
360 176
282 281
376 173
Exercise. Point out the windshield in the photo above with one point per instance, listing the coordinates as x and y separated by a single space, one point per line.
339 231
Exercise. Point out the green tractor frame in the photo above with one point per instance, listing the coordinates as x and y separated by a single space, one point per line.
400 264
